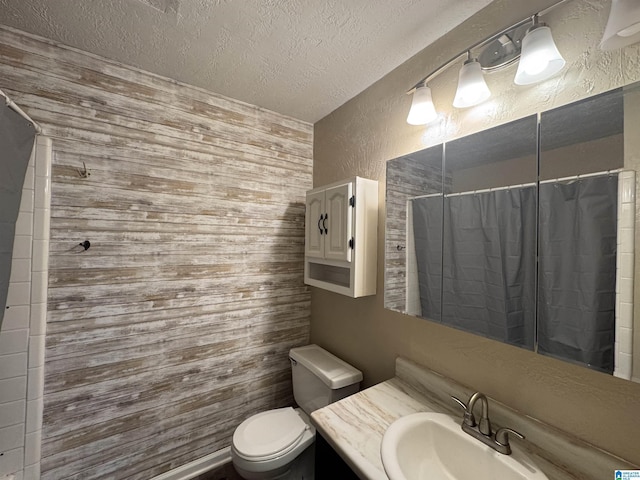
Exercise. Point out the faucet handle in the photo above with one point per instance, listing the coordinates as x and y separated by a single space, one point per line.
469 419
502 438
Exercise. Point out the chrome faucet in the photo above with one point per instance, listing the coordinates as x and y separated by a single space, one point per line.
485 424
482 430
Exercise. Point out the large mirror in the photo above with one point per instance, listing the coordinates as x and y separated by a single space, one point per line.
524 233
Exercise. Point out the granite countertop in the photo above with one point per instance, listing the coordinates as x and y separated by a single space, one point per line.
354 426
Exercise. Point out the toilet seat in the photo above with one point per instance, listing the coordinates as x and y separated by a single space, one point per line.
269 435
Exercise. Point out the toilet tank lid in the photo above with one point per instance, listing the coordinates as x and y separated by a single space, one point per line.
333 372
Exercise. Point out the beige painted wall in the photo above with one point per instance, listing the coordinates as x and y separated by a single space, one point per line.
359 137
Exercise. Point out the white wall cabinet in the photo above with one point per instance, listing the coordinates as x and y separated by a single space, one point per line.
341 236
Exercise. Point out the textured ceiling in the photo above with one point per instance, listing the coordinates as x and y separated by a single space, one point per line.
302 58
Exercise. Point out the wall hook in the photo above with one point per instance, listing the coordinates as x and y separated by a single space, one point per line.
83 172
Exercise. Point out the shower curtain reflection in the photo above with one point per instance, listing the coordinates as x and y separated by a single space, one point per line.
488 261
476 264
427 231
577 295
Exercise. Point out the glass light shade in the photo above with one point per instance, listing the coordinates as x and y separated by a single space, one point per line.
540 58
623 26
422 109
472 89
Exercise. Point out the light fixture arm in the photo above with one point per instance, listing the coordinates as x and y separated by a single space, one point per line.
535 20
536 23
467 51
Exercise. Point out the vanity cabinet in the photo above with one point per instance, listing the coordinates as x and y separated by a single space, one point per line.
341 234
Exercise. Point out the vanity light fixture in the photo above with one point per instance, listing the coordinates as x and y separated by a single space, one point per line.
472 88
623 26
422 109
540 58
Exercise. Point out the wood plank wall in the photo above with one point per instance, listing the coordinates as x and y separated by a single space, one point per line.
175 325
407 177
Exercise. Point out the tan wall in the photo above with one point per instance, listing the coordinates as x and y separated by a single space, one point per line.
595 156
359 137
175 325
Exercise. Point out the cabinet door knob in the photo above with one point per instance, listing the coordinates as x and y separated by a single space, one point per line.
320 226
326 216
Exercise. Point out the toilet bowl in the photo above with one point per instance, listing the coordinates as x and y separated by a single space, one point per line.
267 445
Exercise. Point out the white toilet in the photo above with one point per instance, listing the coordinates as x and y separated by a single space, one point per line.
266 445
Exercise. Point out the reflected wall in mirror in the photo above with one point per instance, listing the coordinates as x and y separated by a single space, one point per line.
413 176
524 233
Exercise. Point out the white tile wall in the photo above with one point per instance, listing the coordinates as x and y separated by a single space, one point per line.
12 389
12 413
24 325
623 348
16 318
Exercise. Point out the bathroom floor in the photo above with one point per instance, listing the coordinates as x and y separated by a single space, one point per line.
302 469
226 472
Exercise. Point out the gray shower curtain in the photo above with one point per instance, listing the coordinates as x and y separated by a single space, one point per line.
576 302
489 264
427 232
487 253
16 143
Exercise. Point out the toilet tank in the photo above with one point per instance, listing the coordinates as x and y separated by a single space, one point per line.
320 378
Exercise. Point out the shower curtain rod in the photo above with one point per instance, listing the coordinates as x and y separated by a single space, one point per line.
471 192
584 175
532 184
12 105
495 189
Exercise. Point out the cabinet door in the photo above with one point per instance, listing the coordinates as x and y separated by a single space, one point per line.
314 216
339 220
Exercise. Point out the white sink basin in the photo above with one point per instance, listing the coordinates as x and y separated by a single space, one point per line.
432 446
